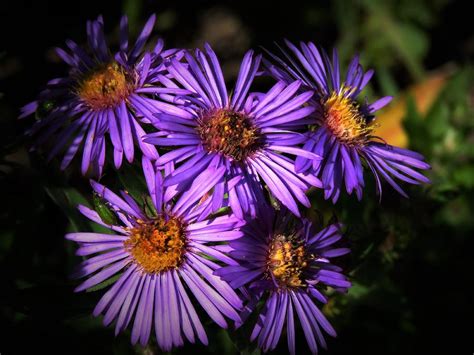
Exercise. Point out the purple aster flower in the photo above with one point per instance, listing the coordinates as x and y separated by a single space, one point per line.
161 258
344 133
285 262
103 93
252 135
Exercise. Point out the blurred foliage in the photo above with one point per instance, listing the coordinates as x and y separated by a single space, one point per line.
411 262
387 34
406 253
421 96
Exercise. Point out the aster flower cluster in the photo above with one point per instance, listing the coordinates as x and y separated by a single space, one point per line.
221 232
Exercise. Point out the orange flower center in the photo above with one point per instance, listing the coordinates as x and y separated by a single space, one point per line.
105 87
344 119
287 261
157 245
230 133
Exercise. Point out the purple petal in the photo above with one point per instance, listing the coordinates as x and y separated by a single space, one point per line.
102 275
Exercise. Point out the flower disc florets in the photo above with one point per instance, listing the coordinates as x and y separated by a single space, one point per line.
344 119
287 260
157 245
230 133
106 87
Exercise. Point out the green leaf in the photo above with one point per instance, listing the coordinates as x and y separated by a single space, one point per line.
105 283
103 210
149 207
131 178
68 199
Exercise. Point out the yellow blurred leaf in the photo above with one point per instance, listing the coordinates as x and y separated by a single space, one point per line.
425 93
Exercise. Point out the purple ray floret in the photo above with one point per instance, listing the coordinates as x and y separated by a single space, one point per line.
104 93
343 135
163 260
248 139
285 262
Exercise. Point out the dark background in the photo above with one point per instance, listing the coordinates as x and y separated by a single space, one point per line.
412 260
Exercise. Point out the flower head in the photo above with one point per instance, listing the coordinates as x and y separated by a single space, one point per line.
285 262
343 135
104 93
251 136
161 258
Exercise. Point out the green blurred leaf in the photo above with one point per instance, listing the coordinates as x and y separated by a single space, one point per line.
133 9
411 42
358 290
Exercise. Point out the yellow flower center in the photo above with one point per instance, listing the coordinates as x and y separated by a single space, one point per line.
287 261
105 87
230 133
344 119
157 245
